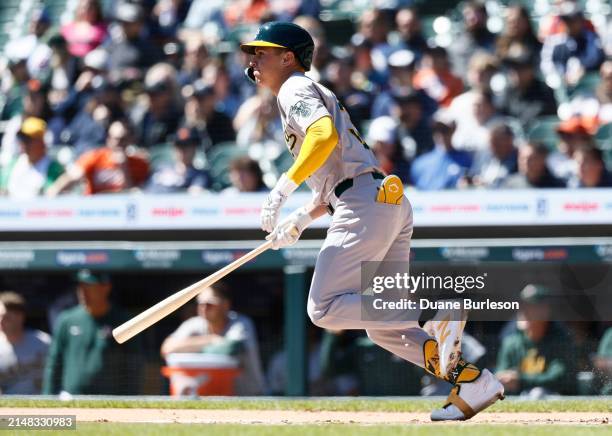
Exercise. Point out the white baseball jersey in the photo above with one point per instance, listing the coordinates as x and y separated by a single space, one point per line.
302 101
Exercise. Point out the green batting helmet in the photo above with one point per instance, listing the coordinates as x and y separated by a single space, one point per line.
284 35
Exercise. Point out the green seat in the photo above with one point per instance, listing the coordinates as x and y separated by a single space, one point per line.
544 130
586 85
161 155
604 136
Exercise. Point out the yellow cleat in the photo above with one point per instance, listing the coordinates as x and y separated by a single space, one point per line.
391 190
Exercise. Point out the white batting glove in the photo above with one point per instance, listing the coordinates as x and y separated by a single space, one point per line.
270 210
288 231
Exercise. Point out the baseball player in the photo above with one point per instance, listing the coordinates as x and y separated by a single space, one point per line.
371 219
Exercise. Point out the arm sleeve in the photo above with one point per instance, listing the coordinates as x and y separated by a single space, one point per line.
320 140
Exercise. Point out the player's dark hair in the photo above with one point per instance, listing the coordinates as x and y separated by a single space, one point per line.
222 290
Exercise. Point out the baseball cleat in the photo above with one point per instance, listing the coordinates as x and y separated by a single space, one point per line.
467 399
447 328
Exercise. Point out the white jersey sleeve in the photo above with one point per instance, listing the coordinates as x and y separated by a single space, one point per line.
303 101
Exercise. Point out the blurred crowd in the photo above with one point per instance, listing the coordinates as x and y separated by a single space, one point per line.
127 95
534 357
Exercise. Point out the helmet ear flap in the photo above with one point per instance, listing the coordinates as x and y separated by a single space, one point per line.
249 73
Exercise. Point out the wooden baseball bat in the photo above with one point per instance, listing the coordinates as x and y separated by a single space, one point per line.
165 307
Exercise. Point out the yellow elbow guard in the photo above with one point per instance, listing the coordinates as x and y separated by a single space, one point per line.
319 143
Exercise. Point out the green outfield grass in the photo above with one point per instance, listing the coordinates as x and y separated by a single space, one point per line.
338 404
330 430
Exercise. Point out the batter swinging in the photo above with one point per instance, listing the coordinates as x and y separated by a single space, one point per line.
372 219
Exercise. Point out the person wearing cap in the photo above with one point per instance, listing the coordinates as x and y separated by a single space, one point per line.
202 114
442 167
130 48
116 167
526 97
23 351
573 133
87 31
474 125
14 84
219 329
573 52
402 69
258 122
436 77
475 37
32 172
383 137
371 219
539 357
181 174
84 359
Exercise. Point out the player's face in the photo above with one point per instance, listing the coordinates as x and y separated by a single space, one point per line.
266 65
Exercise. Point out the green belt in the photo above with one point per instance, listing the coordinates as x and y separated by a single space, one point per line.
348 183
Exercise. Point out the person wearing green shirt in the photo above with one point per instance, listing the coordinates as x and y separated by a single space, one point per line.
538 357
603 362
84 359
31 172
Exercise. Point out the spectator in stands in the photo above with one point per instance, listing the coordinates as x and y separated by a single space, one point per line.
14 85
444 166
167 17
552 23
382 138
492 166
573 133
518 36
596 104
130 49
32 172
220 330
226 100
525 97
87 31
200 112
63 72
159 116
84 359
181 174
245 176
33 45
195 59
436 78
23 351
539 357
592 171
258 122
239 12
532 169
89 127
603 362
414 124
573 52
473 133
35 104
481 69
116 167
374 28
474 38
410 31
338 78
